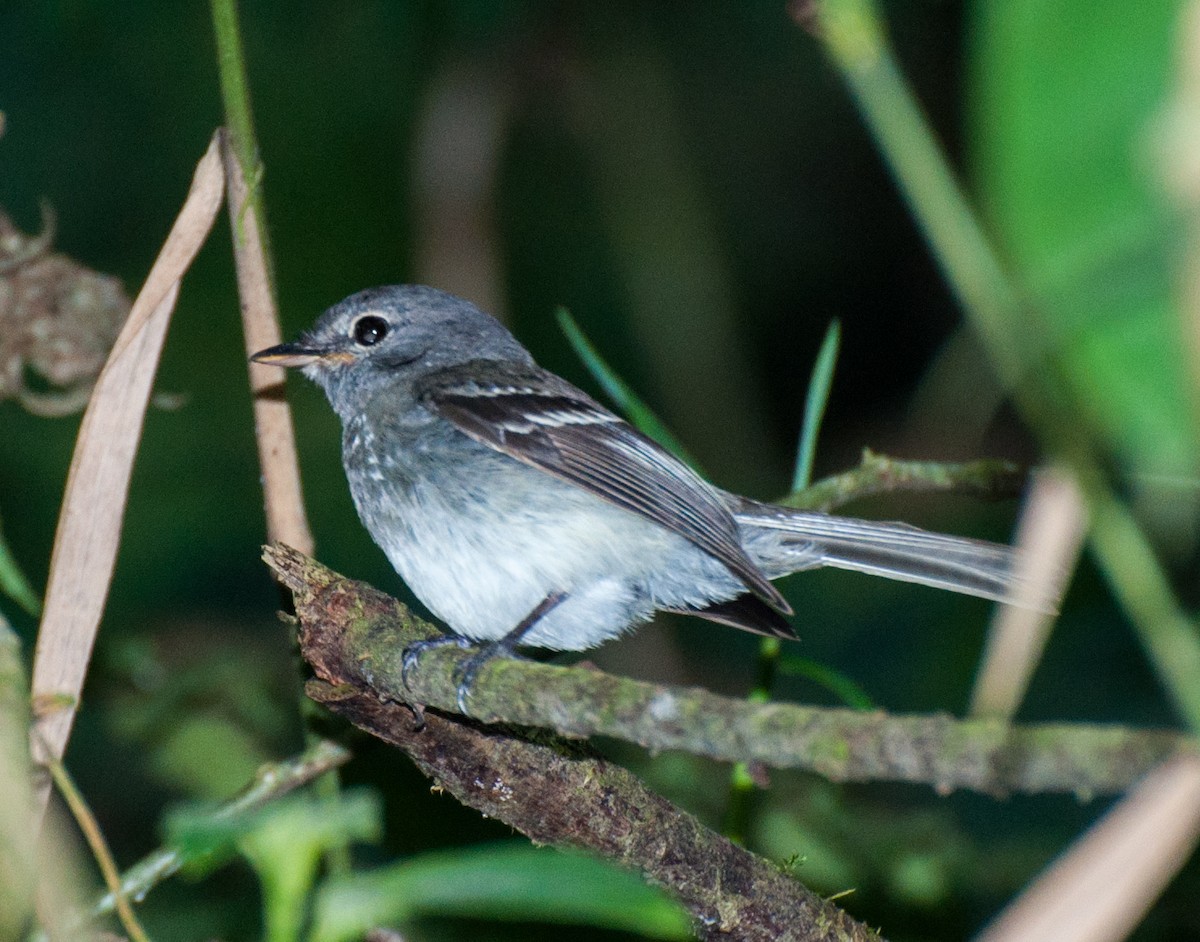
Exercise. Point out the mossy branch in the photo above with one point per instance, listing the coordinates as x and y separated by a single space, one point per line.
989 479
551 789
354 635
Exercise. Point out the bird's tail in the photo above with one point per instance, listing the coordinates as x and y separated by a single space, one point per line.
782 540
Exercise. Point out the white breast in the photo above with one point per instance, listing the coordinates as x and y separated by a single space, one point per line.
476 543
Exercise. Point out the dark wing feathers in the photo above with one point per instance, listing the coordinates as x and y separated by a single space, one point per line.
544 421
748 612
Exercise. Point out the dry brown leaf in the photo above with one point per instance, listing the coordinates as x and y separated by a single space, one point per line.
58 321
1104 884
89 526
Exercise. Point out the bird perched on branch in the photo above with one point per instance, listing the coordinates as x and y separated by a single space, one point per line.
521 511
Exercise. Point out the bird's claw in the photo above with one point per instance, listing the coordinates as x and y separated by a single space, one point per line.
412 653
467 671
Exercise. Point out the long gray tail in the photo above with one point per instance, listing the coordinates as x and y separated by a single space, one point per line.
782 540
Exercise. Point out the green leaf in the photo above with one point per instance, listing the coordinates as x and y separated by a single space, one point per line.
296 819
834 681
819 385
283 842
206 756
637 412
1064 98
501 881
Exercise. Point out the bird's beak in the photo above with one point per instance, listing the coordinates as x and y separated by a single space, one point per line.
297 354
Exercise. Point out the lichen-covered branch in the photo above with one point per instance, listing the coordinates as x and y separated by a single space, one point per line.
556 792
552 790
372 630
880 474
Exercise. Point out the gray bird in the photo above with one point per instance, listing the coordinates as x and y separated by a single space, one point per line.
520 510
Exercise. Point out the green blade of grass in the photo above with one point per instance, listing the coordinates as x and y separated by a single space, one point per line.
14 584
636 411
819 385
834 681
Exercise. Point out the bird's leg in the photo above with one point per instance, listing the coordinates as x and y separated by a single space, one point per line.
505 646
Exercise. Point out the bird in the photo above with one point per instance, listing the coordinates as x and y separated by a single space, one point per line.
522 512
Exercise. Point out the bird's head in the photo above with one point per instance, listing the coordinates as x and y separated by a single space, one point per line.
385 337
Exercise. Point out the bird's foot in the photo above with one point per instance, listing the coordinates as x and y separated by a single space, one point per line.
465 673
469 669
506 646
413 652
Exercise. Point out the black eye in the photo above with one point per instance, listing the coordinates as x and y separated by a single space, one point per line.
369 330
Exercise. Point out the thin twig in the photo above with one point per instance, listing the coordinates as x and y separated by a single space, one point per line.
269 783
879 474
99 847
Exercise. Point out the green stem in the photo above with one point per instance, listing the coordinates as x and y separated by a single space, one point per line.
741 781
270 782
235 87
18 847
239 117
239 121
99 846
1168 635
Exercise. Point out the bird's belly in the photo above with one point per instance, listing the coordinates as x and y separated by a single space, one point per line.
481 551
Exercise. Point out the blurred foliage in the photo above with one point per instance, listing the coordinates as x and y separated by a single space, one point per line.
692 182
500 881
1065 102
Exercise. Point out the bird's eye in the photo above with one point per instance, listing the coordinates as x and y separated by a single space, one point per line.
369 330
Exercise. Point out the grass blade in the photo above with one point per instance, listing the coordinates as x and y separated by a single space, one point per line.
638 413
814 405
13 582
834 681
